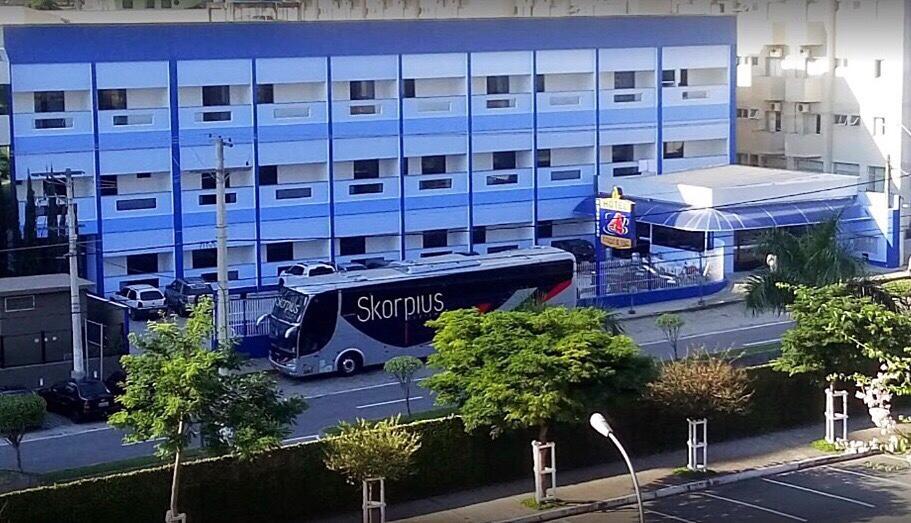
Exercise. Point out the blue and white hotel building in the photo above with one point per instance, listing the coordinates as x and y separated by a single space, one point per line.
357 140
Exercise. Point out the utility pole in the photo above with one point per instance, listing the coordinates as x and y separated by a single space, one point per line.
75 300
221 238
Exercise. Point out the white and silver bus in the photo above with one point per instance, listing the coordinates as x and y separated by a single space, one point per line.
343 322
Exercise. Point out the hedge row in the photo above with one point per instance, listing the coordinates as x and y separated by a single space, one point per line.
291 484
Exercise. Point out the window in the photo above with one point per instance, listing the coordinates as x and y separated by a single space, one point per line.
137 204
545 230
204 258
366 169
501 248
108 185
504 160
624 80
809 165
212 199
365 188
356 110
877 68
627 171
209 180
142 263
53 188
112 99
408 88
540 83
542 157
673 150
49 102
678 239
279 252
212 277
684 78
292 194
214 95
18 303
435 239
479 234
4 99
497 85
668 78
743 113
362 90
623 153
570 174
876 179
879 126
352 246
502 179
445 183
265 94
268 175
142 176
850 169
773 121
433 164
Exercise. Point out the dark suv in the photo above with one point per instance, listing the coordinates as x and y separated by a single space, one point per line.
183 292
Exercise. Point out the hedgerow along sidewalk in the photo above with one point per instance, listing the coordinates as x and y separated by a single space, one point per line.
504 502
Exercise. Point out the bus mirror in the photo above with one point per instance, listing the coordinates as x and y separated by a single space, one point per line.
290 331
261 319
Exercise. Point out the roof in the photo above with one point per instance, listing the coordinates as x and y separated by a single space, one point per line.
42 283
415 269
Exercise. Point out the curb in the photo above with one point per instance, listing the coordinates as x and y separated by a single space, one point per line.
694 486
704 306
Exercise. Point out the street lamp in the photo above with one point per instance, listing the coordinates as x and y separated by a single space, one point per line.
600 424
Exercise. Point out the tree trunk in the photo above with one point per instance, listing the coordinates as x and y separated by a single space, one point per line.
542 434
18 450
408 400
176 477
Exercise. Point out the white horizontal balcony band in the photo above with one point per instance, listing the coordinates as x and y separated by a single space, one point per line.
582 174
215 116
132 75
365 110
566 101
136 204
503 179
627 98
434 106
291 113
698 162
571 61
513 63
361 190
289 194
153 119
696 95
198 73
436 184
290 70
696 57
51 77
353 68
637 59
434 65
498 104
49 124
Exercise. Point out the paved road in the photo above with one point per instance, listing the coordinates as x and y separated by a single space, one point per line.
373 394
871 490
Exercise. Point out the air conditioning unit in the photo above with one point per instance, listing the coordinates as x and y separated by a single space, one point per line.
803 108
775 106
776 52
806 51
753 114
646 166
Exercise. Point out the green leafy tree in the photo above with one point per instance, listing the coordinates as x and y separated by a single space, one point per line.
832 326
20 413
518 369
403 369
671 324
9 220
365 450
176 387
815 259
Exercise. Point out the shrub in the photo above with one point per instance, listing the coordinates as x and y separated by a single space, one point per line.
699 387
364 450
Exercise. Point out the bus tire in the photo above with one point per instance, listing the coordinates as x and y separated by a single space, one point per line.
350 363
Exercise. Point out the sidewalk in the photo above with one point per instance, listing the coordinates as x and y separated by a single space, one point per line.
504 501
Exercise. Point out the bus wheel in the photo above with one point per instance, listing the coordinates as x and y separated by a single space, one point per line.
350 363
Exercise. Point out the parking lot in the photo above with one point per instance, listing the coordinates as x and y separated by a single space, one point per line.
874 489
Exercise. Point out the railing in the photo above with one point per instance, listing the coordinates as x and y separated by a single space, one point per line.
633 276
244 311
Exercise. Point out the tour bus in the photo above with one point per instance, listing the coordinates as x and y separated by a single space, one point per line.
342 322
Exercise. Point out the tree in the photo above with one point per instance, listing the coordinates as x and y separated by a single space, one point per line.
30 228
176 388
701 386
815 259
370 452
671 324
20 413
517 369
403 369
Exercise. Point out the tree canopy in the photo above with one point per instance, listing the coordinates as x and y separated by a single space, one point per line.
20 413
701 386
364 450
403 369
517 369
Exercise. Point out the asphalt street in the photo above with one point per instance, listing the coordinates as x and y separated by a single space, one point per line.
874 489
373 394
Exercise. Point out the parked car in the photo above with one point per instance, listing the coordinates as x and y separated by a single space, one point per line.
350 267
583 251
79 399
116 384
304 270
143 300
183 292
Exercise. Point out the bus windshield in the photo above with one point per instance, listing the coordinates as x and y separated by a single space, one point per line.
290 305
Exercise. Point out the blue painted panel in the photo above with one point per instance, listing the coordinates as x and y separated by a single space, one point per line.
134 140
435 125
290 212
566 119
43 44
64 143
292 133
435 202
289 153
88 227
116 241
135 161
192 137
360 224
642 298
628 116
677 113
565 191
499 123
303 228
367 206
197 219
356 129
495 197
440 218
138 223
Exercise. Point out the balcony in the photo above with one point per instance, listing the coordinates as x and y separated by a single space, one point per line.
627 98
436 201
365 117
803 90
437 114
297 113
294 210
696 95
292 194
136 205
561 189
370 189
207 118
53 124
503 196
804 145
491 112
630 168
203 200
808 33
367 207
768 88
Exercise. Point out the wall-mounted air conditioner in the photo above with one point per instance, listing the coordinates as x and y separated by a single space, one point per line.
775 106
806 51
803 108
776 52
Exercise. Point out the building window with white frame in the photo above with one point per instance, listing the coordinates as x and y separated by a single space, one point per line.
876 179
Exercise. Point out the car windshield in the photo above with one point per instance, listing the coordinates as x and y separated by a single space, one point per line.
150 295
92 388
289 306
197 287
297 270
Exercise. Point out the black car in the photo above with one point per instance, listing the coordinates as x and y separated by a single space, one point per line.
183 292
79 399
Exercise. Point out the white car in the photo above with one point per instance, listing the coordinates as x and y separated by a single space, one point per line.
304 270
143 300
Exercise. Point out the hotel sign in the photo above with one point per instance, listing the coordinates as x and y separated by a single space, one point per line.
616 223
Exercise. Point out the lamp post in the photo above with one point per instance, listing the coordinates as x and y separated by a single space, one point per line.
600 424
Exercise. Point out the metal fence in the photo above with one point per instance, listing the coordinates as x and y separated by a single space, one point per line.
633 276
243 311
